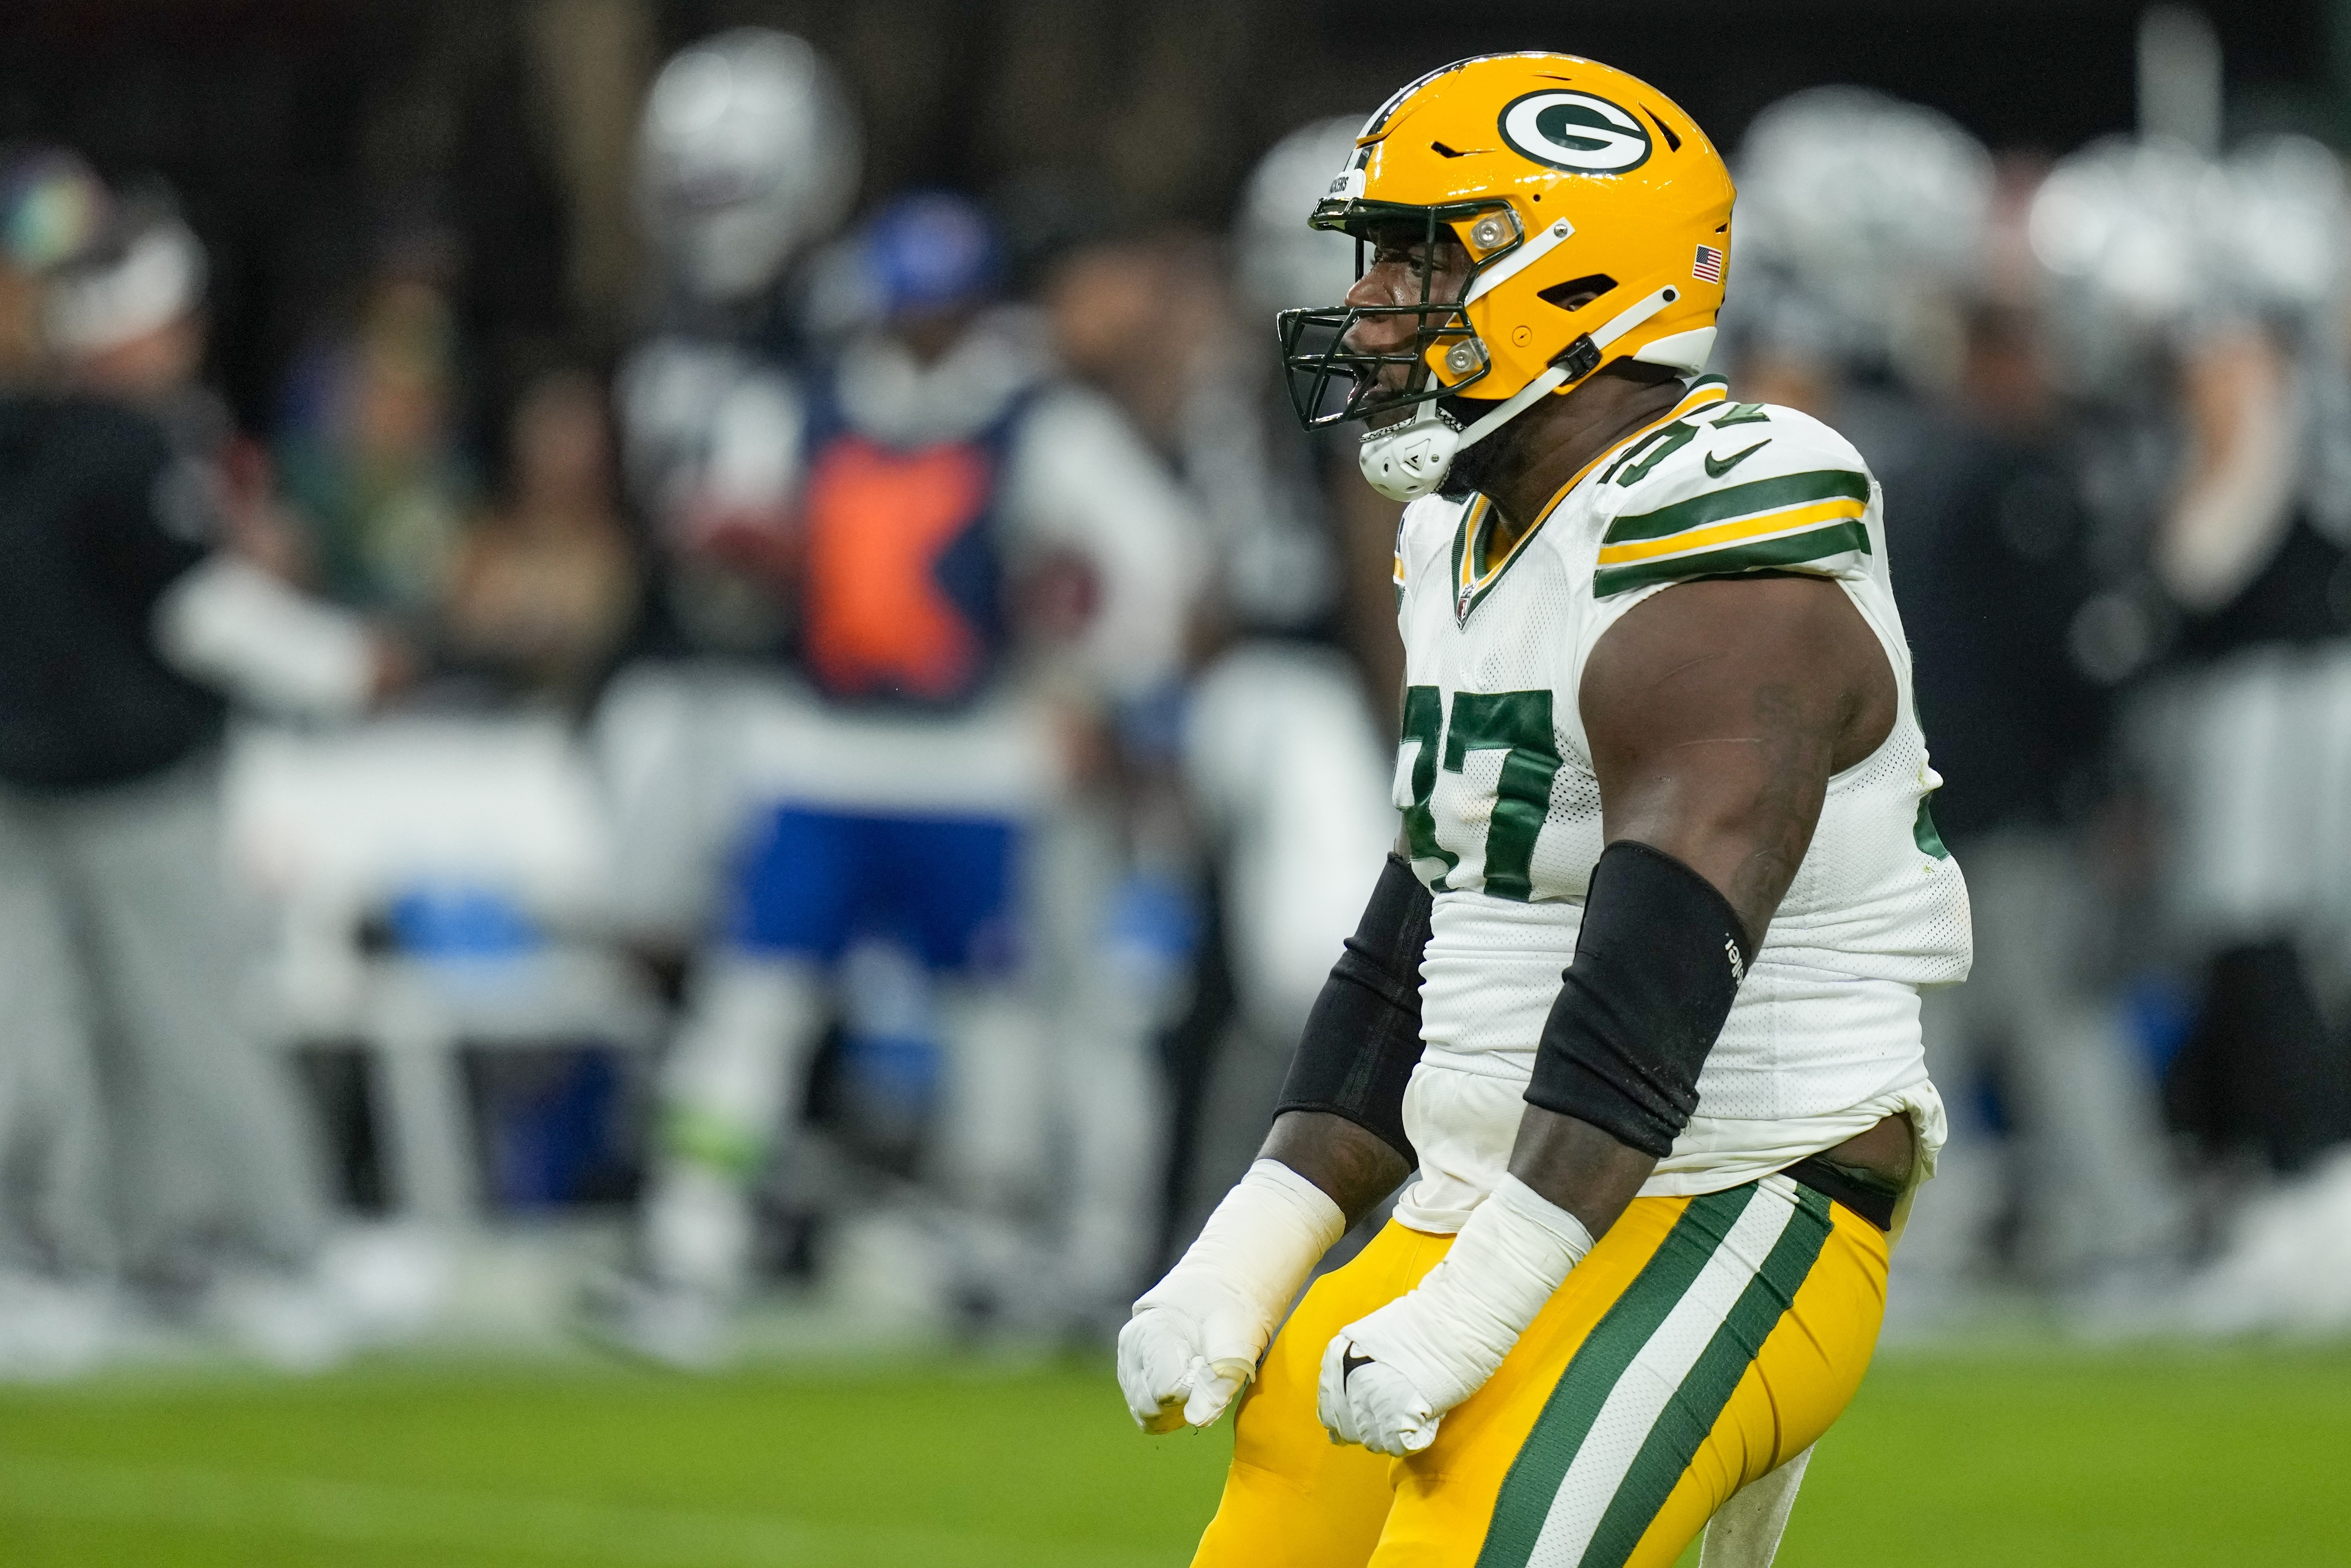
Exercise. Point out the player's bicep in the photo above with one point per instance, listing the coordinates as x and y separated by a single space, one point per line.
1717 712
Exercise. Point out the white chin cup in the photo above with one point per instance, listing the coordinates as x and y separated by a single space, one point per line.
1407 461
1410 459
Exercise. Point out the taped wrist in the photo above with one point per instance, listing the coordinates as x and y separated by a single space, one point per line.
1657 964
1362 1038
1453 1329
1255 1251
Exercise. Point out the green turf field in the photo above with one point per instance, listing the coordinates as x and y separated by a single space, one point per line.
1967 1460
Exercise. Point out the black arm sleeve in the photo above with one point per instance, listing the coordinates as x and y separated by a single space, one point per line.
1363 1039
1657 962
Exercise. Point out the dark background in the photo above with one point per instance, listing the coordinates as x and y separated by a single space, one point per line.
309 140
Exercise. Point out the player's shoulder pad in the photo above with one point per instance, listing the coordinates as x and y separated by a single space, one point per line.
1729 488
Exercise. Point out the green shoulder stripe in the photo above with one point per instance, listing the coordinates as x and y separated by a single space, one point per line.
1739 500
1789 549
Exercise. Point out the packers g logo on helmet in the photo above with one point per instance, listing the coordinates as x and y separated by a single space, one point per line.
1575 131
1588 205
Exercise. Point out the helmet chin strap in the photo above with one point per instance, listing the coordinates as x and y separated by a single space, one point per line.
1407 461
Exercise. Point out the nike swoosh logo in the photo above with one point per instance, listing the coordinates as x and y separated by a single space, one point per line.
1717 470
1348 1362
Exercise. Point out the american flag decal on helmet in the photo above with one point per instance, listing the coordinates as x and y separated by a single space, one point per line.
1707 267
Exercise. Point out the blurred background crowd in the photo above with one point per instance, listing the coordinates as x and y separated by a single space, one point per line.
673 670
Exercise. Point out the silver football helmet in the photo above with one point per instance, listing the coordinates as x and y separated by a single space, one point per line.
2122 232
749 153
1859 215
1281 262
2279 224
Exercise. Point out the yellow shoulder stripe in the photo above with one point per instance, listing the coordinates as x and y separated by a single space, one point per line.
1790 519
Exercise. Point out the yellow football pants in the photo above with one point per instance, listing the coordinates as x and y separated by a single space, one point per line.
1704 1341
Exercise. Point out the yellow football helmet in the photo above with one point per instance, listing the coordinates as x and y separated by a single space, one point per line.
1596 216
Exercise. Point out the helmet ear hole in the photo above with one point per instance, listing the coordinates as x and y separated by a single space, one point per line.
1577 292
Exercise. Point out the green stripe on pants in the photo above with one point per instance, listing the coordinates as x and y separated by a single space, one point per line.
1567 1417
1686 1419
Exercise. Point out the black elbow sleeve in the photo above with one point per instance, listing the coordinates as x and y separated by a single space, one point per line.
1362 1038
1657 962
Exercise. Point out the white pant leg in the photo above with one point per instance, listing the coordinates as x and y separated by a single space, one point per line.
1745 1532
1111 1105
1115 1101
729 1088
2086 1138
1285 762
665 744
211 1139
996 1098
2096 1183
1098 1119
56 1203
2099 1188
1947 1239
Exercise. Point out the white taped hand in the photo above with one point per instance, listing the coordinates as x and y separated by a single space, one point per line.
1181 1361
1362 1400
1390 1376
1196 1337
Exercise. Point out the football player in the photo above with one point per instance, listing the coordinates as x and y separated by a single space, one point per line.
148 1134
1638 994
2242 532
905 768
748 155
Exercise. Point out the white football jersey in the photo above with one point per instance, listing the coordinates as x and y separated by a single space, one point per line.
1502 810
